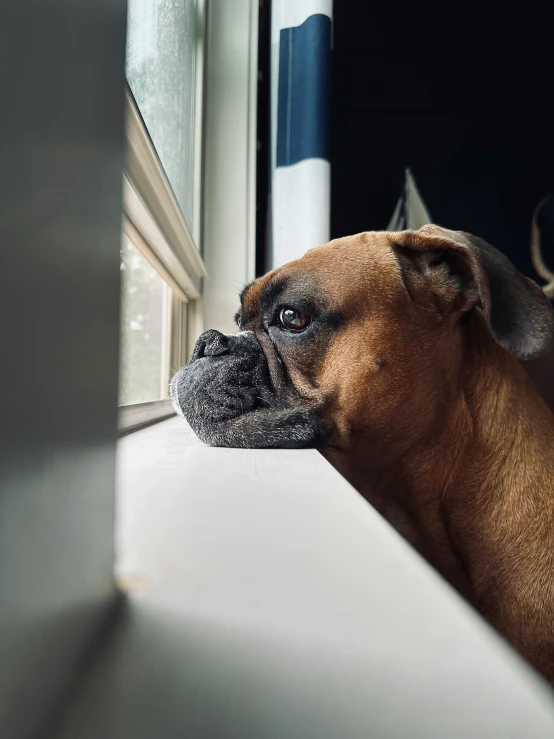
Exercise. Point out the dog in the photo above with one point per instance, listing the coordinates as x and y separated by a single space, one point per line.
396 354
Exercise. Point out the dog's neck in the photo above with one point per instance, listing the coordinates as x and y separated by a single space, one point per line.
493 435
505 430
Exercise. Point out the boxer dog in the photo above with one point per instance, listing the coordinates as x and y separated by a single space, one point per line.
396 354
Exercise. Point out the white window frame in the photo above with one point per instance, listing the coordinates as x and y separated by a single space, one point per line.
230 157
224 199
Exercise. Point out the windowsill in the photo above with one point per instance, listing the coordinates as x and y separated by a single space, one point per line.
269 599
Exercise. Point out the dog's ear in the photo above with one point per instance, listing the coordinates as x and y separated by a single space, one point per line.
451 272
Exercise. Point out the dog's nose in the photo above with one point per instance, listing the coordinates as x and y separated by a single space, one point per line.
210 344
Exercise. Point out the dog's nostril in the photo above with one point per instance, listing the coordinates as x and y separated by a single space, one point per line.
215 347
211 344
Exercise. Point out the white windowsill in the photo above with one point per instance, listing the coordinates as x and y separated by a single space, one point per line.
269 599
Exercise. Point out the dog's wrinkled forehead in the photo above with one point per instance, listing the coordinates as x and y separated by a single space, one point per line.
332 274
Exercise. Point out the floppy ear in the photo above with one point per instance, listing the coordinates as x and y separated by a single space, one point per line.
452 271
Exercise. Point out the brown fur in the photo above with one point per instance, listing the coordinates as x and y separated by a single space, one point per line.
438 427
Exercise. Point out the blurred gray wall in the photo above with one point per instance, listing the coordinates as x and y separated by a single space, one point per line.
61 155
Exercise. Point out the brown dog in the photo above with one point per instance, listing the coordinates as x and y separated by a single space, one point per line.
396 354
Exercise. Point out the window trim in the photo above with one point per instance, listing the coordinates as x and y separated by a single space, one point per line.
202 9
179 334
230 136
151 207
137 416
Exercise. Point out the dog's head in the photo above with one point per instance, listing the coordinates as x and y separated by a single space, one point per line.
339 341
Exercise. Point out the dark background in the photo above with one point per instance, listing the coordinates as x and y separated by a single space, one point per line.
462 97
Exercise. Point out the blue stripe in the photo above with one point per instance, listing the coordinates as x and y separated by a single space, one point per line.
304 91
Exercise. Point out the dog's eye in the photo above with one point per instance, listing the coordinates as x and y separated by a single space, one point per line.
293 320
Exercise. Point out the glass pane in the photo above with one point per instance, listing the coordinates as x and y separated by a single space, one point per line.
144 329
161 53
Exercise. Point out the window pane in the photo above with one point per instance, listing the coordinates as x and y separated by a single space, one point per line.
161 52
144 329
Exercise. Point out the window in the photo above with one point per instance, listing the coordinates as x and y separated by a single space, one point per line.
161 67
145 325
162 270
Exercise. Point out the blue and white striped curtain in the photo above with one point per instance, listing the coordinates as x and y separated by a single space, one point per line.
301 32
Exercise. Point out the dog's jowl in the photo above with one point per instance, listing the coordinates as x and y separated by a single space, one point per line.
397 355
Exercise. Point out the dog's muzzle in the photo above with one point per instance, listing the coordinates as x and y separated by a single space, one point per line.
226 377
227 396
